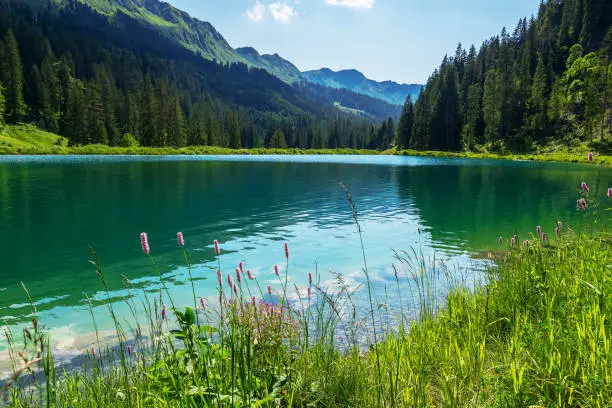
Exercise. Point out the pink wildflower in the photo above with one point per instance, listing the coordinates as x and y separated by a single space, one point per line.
219 278
203 303
276 270
179 239
310 278
217 249
309 292
269 290
286 250
129 350
230 281
93 351
558 232
590 156
250 275
584 186
512 242
138 332
501 240
539 230
238 276
235 290
164 312
240 266
144 242
253 300
559 224
610 192
543 237
526 243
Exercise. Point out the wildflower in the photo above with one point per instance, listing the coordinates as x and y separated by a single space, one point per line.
138 332
129 350
250 275
93 351
286 250
240 266
235 290
590 156
558 232
526 243
219 278
144 242
559 224
253 300
164 312
269 290
310 278
203 303
539 231
584 186
230 281
501 240
179 239
512 242
276 270
238 277
309 293
543 237
582 203
610 192
217 249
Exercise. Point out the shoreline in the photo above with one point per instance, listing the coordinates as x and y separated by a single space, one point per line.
97 150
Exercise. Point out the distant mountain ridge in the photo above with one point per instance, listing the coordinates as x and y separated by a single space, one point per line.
388 91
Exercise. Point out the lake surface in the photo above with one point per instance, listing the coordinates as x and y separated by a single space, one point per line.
52 208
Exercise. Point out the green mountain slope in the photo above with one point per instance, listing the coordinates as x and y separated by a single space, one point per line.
175 25
274 64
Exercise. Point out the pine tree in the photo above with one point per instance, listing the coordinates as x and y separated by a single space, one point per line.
405 124
95 126
538 100
74 120
176 125
12 75
148 131
491 106
234 132
278 140
2 106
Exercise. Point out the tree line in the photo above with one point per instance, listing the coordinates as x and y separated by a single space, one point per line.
66 70
551 79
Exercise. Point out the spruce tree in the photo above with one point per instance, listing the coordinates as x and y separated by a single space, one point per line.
12 75
234 132
404 126
2 106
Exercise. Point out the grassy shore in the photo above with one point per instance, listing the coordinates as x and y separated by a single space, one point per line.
29 140
536 333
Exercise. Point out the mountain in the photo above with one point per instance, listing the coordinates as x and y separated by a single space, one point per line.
388 91
131 71
274 64
169 22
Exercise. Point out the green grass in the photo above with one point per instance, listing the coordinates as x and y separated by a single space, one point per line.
536 333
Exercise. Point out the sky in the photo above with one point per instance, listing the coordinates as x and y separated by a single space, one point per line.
398 40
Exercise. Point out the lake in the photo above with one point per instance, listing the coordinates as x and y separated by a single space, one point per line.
53 208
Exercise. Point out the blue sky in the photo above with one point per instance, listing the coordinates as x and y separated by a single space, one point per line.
399 40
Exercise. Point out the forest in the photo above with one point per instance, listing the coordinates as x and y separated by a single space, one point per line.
549 81
72 74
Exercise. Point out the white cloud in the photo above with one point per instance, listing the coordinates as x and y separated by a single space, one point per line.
282 12
257 12
352 3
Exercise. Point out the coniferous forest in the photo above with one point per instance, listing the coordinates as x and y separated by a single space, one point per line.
549 80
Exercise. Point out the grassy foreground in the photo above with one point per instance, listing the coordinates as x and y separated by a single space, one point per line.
537 334
28 139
